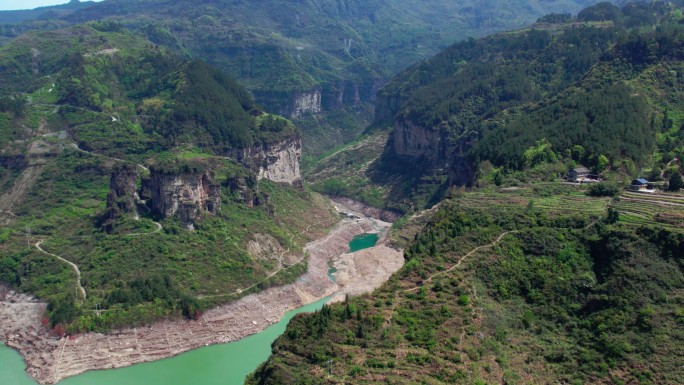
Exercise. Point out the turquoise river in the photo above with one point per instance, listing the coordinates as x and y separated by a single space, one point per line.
225 364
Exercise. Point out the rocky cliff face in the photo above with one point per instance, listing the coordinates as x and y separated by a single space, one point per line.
289 104
336 95
278 162
185 194
121 196
306 103
438 148
416 141
386 106
328 97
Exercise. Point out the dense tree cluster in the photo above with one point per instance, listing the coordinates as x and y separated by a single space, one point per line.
569 84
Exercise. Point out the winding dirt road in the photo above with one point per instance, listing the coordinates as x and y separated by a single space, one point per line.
73 266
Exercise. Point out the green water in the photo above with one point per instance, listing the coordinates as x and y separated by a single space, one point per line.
225 364
363 241
12 368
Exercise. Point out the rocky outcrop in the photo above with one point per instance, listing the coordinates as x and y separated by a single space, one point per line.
243 189
290 104
121 196
186 194
336 95
419 142
386 106
278 162
437 148
306 103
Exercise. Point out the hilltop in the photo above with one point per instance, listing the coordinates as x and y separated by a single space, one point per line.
148 173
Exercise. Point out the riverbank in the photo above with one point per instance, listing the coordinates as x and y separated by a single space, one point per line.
50 360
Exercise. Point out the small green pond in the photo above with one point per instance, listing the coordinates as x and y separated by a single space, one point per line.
363 241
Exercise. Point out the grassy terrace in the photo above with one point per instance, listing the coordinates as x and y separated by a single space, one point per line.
662 209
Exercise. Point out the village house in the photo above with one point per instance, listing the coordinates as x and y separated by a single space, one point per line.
642 185
577 174
582 175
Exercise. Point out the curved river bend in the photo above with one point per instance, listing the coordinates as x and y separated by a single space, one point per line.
224 364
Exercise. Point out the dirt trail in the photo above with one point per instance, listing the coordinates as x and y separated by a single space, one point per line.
73 266
50 360
75 147
463 258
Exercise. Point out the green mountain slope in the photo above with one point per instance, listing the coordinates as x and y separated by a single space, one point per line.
536 282
97 128
507 287
575 90
301 58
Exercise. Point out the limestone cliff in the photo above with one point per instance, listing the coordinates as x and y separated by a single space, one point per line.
185 194
278 162
336 95
438 148
306 103
291 104
121 196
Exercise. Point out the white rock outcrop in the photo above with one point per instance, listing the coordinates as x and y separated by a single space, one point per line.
278 162
306 103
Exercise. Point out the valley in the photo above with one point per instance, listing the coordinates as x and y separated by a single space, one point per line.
454 192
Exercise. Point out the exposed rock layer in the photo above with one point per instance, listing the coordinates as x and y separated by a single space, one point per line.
121 196
437 148
278 162
186 194
306 103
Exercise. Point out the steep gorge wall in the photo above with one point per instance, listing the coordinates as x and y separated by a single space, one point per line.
185 194
278 162
121 196
438 148
329 96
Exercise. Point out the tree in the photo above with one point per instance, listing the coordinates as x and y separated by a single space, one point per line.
613 215
577 153
602 163
676 182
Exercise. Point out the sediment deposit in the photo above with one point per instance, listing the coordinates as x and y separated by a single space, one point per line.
50 359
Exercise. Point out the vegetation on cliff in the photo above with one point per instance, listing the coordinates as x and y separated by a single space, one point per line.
83 100
533 282
300 58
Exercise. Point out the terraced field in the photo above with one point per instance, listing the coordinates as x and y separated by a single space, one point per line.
638 209
563 200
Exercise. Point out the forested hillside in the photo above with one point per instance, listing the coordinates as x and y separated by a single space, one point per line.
519 278
534 286
303 58
142 169
602 89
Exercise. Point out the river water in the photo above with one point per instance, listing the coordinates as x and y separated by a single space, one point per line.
224 364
